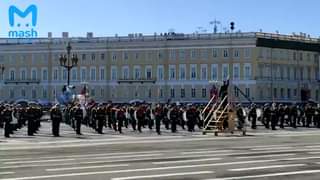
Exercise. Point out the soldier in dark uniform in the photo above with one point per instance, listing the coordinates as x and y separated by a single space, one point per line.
132 118
281 115
273 116
56 118
100 116
191 117
294 116
266 116
309 114
174 114
121 118
317 116
253 116
2 107
140 116
165 117
241 117
31 118
7 118
78 113
158 116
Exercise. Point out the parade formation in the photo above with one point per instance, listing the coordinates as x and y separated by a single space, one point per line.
140 116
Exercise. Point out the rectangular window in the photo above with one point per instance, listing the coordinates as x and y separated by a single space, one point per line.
182 72
114 57
93 92
172 93
248 92
55 74
193 71
193 54
23 92
11 93
93 57
172 54
225 71
74 74
84 57
193 92
204 54
161 93
214 72
137 73
102 74
247 71
102 56
33 74
275 95
236 53
247 52
148 72
23 74
125 72
289 93
64 74
214 53
183 93
225 53
93 74
236 71
204 92
125 56
83 74
172 72
44 93
34 94
204 71
113 73
160 73
182 54
295 92
45 75
282 93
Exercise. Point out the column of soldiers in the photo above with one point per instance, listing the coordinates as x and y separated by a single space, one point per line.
15 117
292 116
142 116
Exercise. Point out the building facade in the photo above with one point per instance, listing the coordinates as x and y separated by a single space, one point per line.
179 67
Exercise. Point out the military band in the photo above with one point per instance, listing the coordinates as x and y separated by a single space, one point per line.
151 116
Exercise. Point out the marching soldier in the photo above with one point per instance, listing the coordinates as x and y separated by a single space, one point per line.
78 113
241 117
191 116
253 116
174 114
7 118
56 118
309 113
317 116
158 116
140 113
281 115
294 116
100 116
121 118
273 116
30 118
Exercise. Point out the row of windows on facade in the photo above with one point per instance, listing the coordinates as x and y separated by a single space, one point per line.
283 93
182 55
137 73
289 72
288 55
92 92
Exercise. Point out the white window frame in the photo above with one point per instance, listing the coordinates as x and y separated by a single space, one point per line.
149 67
25 73
127 75
137 72
247 76
55 69
214 72
42 74
174 72
223 71
184 68
204 76
36 73
160 76
237 65
113 77
74 78
102 73
83 77
93 78
191 72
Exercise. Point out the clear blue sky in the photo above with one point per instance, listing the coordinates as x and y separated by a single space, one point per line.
108 17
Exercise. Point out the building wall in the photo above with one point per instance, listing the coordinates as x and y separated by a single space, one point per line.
259 72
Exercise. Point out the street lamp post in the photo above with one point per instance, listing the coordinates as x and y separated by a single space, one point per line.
65 61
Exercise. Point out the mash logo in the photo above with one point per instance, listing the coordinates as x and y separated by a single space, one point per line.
19 29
